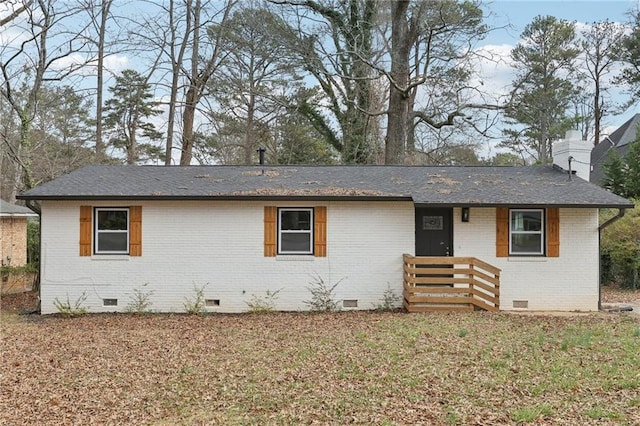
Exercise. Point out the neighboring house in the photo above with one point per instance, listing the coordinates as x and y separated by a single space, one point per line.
13 233
618 140
238 232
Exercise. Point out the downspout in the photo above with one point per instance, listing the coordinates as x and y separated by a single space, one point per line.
611 221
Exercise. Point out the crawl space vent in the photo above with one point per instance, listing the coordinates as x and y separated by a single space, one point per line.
520 304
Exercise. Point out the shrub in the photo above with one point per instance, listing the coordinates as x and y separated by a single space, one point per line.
322 296
33 242
266 303
389 301
69 310
196 304
140 302
620 245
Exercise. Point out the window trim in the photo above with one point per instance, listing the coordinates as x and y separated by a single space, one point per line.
542 233
97 232
310 232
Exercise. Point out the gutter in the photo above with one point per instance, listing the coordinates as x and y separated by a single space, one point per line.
609 222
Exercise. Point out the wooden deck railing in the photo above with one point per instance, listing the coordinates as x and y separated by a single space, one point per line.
450 284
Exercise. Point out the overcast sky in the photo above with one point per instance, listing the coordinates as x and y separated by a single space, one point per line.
511 16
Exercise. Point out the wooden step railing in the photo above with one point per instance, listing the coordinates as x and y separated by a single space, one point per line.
450 284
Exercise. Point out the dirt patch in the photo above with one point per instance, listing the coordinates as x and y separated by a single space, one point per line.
613 294
17 303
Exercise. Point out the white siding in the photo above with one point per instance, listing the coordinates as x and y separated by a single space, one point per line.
565 283
219 245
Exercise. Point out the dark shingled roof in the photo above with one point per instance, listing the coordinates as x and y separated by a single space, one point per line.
446 186
8 209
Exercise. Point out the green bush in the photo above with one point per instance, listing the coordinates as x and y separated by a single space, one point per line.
33 242
620 250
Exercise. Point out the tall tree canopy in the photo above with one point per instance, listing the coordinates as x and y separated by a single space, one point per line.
127 118
545 61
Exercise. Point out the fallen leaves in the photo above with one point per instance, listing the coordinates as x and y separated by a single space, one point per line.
291 368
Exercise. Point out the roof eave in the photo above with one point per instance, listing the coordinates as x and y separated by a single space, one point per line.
317 198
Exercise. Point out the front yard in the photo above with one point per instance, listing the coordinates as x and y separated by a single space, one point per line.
291 368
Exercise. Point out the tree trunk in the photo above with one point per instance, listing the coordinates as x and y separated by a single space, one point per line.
105 5
398 114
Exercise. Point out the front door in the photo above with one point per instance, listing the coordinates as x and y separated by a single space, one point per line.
434 231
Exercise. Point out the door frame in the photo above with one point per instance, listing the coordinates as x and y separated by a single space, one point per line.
420 211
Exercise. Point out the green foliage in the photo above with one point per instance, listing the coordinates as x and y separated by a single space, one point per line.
389 301
622 174
630 55
126 113
322 296
196 304
68 309
613 168
620 245
531 414
538 110
33 242
262 304
140 301
29 268
462 332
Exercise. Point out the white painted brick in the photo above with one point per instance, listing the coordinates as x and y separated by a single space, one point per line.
220 245
565 283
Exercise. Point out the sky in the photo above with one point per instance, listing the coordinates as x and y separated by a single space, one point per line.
508 18
514 15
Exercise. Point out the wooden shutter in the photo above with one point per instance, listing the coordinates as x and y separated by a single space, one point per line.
502 232
135 231
270 232
553 232
86 230
320 232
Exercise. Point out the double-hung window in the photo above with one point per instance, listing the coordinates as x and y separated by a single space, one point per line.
526 232
111 230
295 231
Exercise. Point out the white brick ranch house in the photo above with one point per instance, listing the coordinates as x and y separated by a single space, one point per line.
482 237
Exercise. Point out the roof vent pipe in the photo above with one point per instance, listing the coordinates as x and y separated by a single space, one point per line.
570 160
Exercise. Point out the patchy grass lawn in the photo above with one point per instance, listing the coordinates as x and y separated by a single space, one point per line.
284 368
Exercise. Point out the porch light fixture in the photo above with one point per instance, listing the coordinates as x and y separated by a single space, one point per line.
465 214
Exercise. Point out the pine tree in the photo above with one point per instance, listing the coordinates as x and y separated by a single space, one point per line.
131 104
614 173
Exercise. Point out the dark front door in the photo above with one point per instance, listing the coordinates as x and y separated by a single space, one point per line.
434 231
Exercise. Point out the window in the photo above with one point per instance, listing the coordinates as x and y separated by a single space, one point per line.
112 231
526 232
295 231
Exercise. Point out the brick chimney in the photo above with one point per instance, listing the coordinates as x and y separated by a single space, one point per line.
574 148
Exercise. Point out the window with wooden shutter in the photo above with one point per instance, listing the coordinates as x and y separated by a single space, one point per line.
295 231
519 232
270 231
502 232
86 230
116 230
553 232
320 232
135 231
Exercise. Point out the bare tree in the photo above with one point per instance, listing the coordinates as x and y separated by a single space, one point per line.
600 44
336 45
32 59
200 72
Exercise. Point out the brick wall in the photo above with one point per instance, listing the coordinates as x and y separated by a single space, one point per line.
220 245
13 240
565 283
